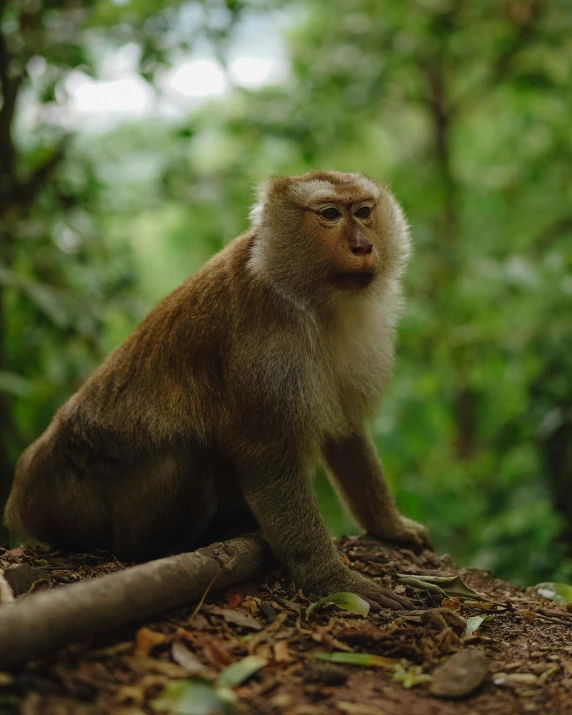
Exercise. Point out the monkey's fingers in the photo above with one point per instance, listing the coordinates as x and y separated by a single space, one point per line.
416 542
364 587
384 598
390 600
402 601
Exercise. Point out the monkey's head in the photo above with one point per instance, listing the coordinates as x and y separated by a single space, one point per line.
325 232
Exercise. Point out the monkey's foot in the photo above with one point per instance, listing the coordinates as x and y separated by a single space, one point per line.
406 531
366 588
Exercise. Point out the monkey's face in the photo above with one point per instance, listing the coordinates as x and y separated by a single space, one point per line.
327 232
343 224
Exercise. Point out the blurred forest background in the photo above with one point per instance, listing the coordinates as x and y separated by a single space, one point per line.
133 131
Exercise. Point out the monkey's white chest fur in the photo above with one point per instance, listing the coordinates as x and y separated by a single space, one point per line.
356 349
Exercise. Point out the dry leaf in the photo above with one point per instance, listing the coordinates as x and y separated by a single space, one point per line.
150 683
237 618
186 659
452 603
263 651
527 614
334 644
234 600
17 552
142 665
441 618
146 639
252 605
292 605
481 605
276 624
217 655
281 654
130 695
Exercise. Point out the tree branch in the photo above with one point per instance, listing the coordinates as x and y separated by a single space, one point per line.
28 188
442 115
502 66
10 85
49 620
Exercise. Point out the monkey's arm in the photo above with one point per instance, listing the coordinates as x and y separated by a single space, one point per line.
356 467
281 498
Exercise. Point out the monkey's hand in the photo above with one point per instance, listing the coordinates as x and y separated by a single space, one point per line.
362 586
405 531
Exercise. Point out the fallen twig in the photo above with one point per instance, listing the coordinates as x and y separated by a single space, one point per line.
48 620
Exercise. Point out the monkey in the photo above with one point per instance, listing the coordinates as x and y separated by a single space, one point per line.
220 405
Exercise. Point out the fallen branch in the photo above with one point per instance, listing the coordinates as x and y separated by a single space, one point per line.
46 621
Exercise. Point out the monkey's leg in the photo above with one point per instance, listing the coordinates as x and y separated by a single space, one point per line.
164 505
160 505
48 503
356 467
279 494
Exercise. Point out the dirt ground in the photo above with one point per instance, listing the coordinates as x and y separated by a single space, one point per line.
527 669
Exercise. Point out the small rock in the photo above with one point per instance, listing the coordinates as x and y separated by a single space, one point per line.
460 675
326 674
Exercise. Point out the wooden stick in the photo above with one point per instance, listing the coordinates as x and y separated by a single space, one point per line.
45 621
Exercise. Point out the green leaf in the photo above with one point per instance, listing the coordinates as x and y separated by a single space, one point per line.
366 659
194 697
475 622
237 673
53 302
197 697
445 585
560 593
346 600
411 676
13 384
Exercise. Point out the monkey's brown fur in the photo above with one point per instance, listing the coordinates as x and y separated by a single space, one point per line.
222 402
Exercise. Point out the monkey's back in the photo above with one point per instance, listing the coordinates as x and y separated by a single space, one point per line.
168 375
152 406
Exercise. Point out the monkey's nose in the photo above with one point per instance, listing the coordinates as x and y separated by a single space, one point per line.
361 246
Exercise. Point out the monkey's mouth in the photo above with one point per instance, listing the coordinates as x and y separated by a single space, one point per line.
353 280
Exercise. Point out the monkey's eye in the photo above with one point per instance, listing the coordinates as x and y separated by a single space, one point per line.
363 212
330 214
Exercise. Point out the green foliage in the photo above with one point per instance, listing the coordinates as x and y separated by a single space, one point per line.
475 622
463 108
561 593
345 600
200 697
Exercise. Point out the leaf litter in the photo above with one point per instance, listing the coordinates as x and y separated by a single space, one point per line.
265 647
